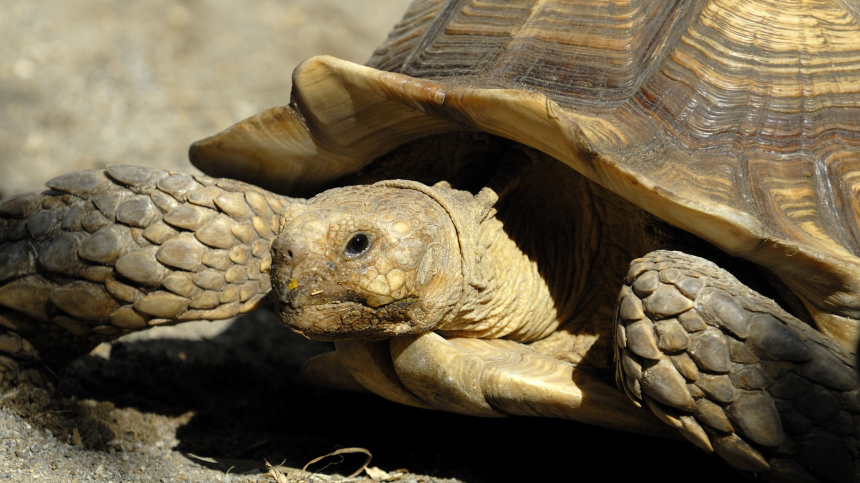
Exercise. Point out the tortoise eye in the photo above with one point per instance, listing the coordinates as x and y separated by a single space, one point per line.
357 246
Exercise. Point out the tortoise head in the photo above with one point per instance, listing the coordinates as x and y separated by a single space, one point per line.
365 262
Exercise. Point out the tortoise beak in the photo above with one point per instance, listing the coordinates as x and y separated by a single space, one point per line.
301 277
305 284
283 288
282 283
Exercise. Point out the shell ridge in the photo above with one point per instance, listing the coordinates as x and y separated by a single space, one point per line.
827 204
442 19
686 11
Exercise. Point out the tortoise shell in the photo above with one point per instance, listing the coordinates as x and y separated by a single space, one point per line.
738 121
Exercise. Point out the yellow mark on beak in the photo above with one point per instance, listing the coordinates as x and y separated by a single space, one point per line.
293 284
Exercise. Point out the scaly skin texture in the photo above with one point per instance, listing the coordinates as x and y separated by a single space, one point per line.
734 373
108 252
404 281
413 276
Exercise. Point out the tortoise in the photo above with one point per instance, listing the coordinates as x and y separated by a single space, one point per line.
639 215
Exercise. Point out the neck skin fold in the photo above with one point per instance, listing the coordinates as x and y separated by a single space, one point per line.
503 295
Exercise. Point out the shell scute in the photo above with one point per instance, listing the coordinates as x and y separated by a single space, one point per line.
736 121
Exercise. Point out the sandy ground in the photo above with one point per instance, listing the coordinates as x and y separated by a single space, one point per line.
94 82
88 83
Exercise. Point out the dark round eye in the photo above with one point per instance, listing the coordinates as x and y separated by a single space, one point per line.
357 245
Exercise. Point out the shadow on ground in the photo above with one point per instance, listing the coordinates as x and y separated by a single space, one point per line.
238 396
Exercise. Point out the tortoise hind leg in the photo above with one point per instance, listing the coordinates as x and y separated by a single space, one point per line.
108 252
19 360
734 373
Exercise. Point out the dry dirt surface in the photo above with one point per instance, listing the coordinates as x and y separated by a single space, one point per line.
88 83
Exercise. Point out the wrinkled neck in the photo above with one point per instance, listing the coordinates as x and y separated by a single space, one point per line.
553 256
504 295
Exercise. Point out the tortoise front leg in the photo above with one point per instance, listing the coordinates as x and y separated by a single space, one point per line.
482 377
108 252
734 373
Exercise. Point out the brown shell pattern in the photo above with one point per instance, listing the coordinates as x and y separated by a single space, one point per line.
751 104
737 120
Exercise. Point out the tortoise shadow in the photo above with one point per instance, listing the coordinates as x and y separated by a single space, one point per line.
248 402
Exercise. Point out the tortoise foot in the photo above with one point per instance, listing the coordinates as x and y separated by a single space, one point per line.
20 363
734 373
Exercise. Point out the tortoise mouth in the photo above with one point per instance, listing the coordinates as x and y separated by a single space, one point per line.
350 319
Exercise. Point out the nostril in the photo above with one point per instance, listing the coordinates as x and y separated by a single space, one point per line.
289 249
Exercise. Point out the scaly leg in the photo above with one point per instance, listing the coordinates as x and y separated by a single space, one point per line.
108 252
734 373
